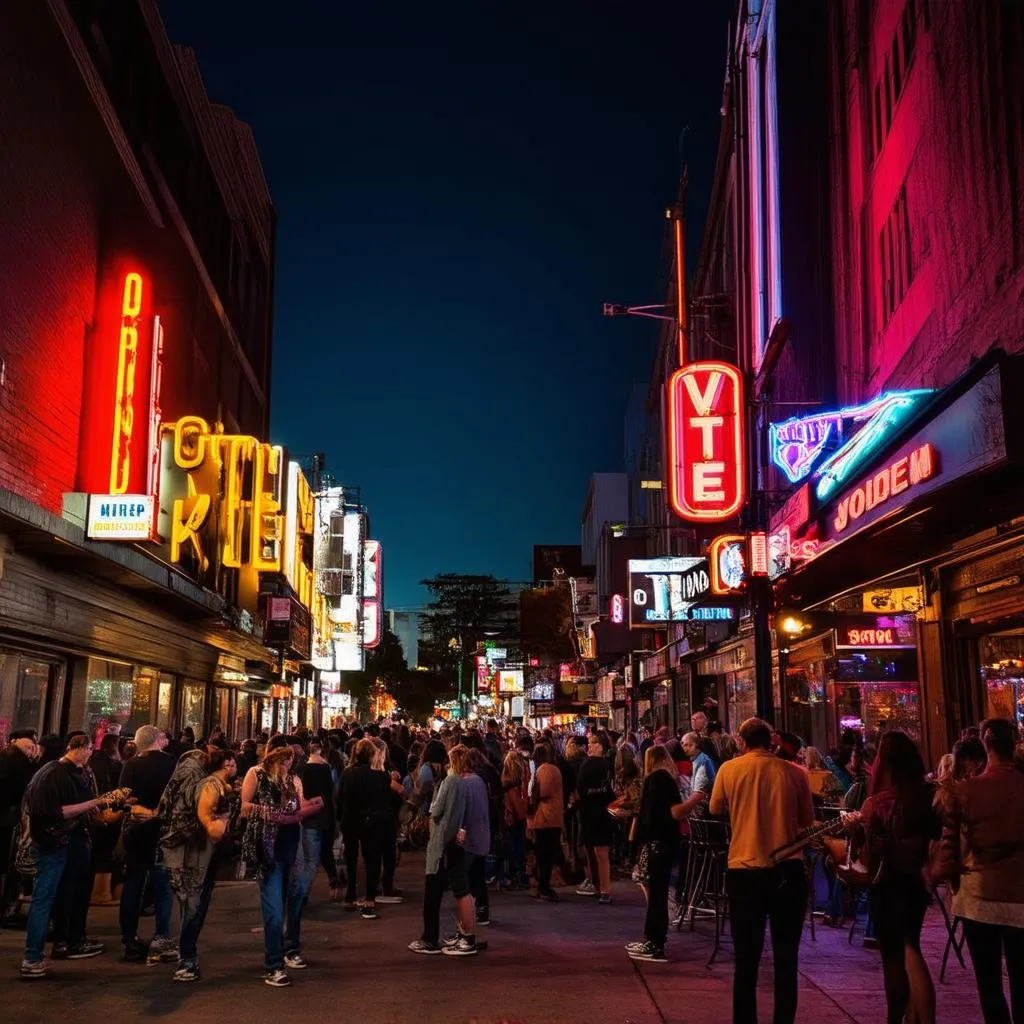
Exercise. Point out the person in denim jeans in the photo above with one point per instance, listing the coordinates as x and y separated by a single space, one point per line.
58 802
196 809
273 805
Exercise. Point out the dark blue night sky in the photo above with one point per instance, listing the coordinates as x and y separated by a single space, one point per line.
460 186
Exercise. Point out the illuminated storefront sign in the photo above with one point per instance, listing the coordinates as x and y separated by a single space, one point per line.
711 613
617 611
662 589
120 424
900 475
856 431
758 553
707 475
727 559
897 631
483 675
372 619
510 681
125 517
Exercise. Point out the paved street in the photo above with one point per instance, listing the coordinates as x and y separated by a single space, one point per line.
544 964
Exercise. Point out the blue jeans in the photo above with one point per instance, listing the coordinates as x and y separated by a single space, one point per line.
308 859
135 874
50 867
512 865
71 907
281 906
193 914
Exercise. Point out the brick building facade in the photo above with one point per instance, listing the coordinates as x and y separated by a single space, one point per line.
113 157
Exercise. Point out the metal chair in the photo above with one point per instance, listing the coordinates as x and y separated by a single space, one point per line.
705 894
953 942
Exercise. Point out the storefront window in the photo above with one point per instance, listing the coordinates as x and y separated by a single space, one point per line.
243 702
806 709
1002 670
165 702
193 706
267 719
222 708
741 693
24 686
105 705
876 690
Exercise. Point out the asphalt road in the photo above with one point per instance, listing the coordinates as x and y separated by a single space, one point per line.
544 963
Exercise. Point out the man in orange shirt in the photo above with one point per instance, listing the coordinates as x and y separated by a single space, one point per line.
768 802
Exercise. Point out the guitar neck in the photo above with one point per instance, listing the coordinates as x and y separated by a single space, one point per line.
804 837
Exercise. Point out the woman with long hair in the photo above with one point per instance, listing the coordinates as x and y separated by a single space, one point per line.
899 823
367 815
385 825
545 818
515 784
661 810
273 805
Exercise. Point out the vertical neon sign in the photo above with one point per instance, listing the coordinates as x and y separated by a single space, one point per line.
124 395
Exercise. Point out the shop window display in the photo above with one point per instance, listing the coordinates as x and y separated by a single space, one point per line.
193 706
877 691
741 693
24 686
243 702
120 698
1001 660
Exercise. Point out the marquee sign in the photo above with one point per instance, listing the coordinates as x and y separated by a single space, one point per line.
706 471
727 558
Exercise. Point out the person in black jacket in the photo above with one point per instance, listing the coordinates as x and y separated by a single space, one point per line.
317 845
595 792
17 766
105 765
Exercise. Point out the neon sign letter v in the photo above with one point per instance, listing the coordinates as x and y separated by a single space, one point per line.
705 401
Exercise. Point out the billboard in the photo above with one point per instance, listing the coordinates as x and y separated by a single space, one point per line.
373 627
662 590
510 681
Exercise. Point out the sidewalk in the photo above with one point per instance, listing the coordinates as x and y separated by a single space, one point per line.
545 963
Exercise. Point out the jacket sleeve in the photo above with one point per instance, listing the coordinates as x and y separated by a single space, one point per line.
947 862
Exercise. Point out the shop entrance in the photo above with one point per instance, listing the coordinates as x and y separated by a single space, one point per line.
1000 666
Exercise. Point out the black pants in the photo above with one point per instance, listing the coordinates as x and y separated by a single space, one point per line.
388 838
433 895
660 862
898 906
351 836
988 944
327 857
547 844
478 884
758 897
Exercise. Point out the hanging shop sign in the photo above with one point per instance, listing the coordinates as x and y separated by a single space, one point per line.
706 473
617 610
372 575
287 626
119 442
727 561
834 444
662 589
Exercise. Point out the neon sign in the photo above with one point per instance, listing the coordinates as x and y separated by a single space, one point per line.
728 563
758 550
707 475
618 609
798 444
912 469
372 624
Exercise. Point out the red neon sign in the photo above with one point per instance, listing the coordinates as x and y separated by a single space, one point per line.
706 473
120 424
758 554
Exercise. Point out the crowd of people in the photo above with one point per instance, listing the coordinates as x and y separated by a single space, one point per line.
148 820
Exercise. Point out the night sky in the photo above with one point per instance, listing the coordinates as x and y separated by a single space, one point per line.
460 186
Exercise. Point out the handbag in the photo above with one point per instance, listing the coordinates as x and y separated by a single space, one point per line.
641 869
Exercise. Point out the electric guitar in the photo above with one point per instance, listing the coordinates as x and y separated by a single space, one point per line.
824 828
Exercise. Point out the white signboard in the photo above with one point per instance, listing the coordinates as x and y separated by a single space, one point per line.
124 517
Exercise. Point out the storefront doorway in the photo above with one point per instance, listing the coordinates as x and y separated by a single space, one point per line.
1000 660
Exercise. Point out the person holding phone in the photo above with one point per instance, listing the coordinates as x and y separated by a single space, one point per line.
273 805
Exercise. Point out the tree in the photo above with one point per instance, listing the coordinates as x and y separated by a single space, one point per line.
465 609
385 663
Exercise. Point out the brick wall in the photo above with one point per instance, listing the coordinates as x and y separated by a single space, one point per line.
49 227
950 150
